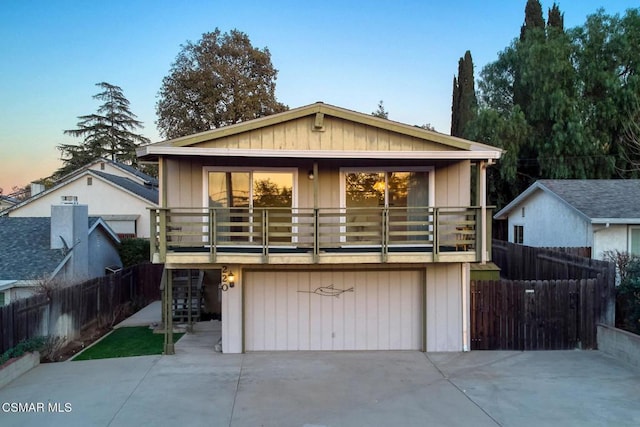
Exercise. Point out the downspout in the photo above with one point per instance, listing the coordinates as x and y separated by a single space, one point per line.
482 166
466 297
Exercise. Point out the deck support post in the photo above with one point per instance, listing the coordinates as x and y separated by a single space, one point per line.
169 347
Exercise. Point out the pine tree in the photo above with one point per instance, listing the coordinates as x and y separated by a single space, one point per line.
381 112
107 133
464 102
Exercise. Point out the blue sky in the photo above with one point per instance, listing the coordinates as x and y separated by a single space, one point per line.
347 53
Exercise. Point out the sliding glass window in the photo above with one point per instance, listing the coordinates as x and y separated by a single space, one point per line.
243 200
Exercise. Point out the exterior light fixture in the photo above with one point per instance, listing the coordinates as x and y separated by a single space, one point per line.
232 280
310 175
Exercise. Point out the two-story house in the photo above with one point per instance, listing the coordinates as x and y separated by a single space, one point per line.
330 229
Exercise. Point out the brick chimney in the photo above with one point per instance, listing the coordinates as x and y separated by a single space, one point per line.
70 232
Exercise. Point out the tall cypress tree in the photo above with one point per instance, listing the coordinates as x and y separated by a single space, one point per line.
532 18
464 101
555 18
533 28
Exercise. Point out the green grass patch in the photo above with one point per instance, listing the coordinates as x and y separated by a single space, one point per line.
127 342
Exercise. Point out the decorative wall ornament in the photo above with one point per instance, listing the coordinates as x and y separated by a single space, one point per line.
328 291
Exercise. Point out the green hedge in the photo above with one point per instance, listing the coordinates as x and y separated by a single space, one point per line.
134 251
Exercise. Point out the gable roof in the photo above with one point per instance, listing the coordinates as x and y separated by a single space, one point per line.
123 167
25 247
147 192
128 168
599 201
459 148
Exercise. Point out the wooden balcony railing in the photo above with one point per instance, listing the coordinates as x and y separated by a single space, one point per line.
266 231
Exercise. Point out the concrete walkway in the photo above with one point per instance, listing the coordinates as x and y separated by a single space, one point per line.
151 314
199 387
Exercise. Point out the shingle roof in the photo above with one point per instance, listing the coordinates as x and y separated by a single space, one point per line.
150 193
148 178
25 244
596 199
25 249
599 198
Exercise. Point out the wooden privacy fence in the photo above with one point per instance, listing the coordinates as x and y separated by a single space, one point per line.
519 262
65 312
535 315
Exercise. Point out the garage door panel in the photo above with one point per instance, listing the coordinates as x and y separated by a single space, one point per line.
395 322
384 318
302 340
326 315
360 295
289 311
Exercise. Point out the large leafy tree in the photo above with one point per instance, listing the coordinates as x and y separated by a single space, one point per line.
464 101
562 102
607 65
109 132
220 80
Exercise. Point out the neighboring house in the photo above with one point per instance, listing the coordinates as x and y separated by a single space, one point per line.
118 193
67 247
328 229
7 202
601 214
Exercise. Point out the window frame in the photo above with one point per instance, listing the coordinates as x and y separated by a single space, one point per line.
251 170
632 229
386 169
381 169
516 234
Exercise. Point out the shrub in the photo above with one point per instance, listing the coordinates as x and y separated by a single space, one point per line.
26 346
134 251
628 297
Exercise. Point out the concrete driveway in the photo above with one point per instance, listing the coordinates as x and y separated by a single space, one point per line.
198 387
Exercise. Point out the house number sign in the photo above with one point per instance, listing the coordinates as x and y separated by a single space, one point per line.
224 284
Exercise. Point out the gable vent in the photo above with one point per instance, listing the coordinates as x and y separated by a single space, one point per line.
69 200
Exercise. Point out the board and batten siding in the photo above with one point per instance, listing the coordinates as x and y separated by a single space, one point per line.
338 134
445 322
185 188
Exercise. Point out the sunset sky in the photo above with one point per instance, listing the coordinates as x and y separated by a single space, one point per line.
347 53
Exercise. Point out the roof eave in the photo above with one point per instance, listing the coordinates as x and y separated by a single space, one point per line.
100 222
157 151
616 221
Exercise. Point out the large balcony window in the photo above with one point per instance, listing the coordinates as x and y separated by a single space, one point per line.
240 198
406 196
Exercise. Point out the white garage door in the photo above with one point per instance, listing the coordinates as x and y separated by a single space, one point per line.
333 310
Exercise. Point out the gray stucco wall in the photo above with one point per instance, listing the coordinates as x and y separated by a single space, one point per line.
549 222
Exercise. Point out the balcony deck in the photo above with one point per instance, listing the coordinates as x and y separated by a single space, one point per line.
315 236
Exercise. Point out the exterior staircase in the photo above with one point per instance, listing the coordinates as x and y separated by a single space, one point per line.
187 295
